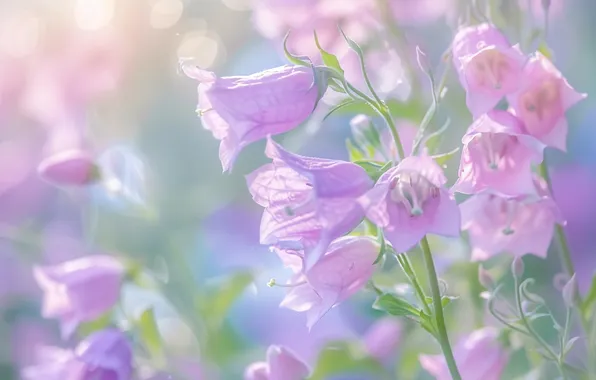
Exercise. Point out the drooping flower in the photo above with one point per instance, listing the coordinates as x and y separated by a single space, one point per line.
409 201
281 364
497 156
68 158
542 100
103 355
342 271
79 290
308 201
479 356
240 110
382 339
488 66
517 226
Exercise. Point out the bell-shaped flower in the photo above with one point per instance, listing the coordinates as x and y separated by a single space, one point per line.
517 226
542 100
240 110
281 364
103 355
68 158
410 201
497 156
308 201
479 356
488 66
344 269
79 290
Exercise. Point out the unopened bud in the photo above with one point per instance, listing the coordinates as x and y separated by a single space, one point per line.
545 5
485 278
271 283
517 267
570 292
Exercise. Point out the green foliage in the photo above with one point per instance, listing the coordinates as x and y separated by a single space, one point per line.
329 59
97 324
149 333
396 306
341 357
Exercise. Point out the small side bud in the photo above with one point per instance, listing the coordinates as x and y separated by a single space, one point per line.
570 292
422 60
485 278
517 267
271 283
359 125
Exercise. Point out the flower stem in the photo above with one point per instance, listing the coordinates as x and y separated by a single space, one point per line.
406 266
438 311
567 263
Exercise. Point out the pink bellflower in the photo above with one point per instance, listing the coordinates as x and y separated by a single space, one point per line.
103 355
542 100
479 356
518 226
281 364
240 110
308 201
498 156
79 290
410 201
345 268
488 66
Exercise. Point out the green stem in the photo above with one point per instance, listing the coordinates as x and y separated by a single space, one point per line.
409 271
383 111
438 309
551 353
567 263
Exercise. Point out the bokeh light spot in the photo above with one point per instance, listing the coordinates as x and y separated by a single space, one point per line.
166 13
93 14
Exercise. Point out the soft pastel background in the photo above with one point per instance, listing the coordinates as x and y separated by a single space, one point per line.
193 228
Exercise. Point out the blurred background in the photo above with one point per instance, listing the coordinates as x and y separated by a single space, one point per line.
115 64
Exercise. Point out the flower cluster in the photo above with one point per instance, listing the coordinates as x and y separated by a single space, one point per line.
511 208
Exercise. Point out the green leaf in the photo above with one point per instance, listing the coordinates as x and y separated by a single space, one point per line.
97 324
353 151
342 358
383 246
427 323
588 302
215 307
446 300
329 59
545 50
396 306
374 169
293 58
150 333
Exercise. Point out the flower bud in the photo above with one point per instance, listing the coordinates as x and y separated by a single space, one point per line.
546 5
485 278
517 267
570 292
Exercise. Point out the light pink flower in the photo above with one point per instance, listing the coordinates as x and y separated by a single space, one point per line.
382 338
79 290
308 201
488 66
243 109
409 201
342 271
517 226
497 156
68 158
542 100
281 364
479 356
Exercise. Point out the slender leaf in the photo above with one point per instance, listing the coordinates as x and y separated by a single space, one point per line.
329 59
396 306
150 333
